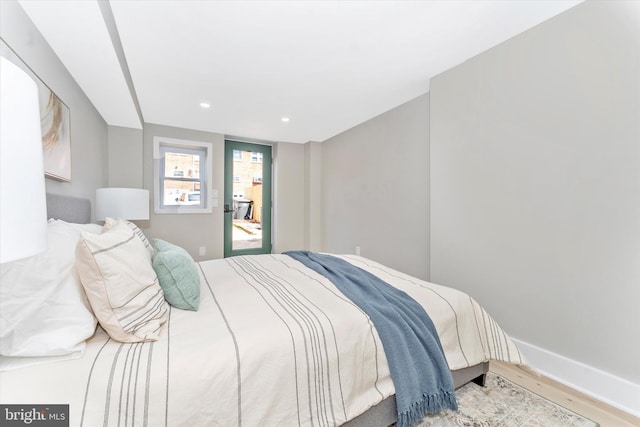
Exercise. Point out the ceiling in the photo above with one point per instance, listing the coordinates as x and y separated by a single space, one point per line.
326 65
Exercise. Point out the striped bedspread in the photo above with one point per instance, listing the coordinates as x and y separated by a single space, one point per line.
272 344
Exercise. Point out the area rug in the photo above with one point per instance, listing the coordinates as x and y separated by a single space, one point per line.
504 404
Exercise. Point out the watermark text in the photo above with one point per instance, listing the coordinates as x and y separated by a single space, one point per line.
34 415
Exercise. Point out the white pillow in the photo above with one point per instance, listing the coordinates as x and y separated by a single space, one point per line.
89 228
121 284
43 308
110 222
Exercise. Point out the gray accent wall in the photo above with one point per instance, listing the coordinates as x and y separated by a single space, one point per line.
88 129
375 191
535 184
288 197
125 154
313 196
190 231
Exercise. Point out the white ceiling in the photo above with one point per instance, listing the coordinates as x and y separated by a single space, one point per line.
327 65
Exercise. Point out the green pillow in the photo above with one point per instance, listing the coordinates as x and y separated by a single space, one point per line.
177 274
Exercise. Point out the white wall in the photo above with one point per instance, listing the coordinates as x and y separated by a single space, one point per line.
88 129
535 184
375 191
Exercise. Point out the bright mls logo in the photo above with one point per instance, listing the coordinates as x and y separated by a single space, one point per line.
34 415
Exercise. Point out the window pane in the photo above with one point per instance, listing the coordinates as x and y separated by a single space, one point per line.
180 165
247 203
181 192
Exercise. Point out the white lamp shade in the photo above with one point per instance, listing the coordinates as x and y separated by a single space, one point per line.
125 203
23 206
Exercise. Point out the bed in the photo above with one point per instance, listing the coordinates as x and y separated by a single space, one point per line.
271 343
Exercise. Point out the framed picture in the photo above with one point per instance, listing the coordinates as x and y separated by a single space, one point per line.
55 123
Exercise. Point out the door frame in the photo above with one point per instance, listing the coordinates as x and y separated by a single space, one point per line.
267 197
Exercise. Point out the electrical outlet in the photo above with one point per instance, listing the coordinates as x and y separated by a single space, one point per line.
358 250
203 250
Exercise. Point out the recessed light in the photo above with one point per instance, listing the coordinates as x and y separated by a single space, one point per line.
285 119
205 105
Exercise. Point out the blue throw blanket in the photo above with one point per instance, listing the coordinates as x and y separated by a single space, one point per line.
419 370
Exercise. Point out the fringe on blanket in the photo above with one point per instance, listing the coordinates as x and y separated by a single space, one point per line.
430 404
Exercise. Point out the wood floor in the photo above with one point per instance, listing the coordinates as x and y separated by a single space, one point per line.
586 406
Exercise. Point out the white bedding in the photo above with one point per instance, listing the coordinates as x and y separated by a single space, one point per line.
272 344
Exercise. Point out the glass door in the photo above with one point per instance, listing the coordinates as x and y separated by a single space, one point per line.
247 199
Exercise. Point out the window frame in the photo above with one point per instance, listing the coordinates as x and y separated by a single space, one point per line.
160 146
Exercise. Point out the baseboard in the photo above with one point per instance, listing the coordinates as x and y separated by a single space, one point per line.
612 390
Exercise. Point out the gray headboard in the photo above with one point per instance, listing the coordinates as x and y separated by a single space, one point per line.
68 208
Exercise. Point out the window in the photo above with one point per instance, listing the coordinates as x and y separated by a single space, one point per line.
237 155
256 157
182 177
